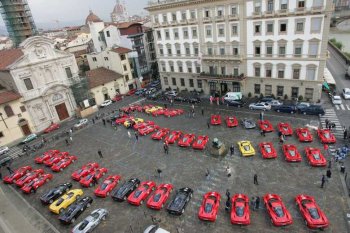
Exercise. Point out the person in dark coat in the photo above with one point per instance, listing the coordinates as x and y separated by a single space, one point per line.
166 148
202 111
159 171
9 169
228 194
99 152
104 121
345 134
94 180
228 205
256 179
257 203
323 181
136 136
232 150
329 173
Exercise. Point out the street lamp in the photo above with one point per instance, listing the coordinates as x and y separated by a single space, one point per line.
3 120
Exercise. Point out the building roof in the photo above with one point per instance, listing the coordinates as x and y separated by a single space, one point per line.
79 53
92 18
121 50
8 96
8 57
101 76
127 24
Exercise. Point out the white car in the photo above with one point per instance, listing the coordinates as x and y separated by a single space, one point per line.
81 123
260 106
4 150
346 93
155 229
91 221
336 100
171 93
106 103
275 103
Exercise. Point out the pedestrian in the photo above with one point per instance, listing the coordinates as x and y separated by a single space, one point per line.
329 164
192 106
207 173
67 142
252 202
329 173
256 179
257 203
261 116
345 134
93 120
99 152
228 205
9 169
104 121
282 139
217 100
70 139
202 109
228 194
232 150
129 134
327 123
71 131
136 136
166 148
211 99
171 102
323 181
193 113
94 180
0 175
159 171
228 171
262 133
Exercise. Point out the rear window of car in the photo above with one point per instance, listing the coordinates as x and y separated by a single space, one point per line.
314 213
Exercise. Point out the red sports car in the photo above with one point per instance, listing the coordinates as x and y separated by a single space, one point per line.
147 107
200 142
121 121
84 171
231 121
63 163
160 196
148 129
52 127
313 215
173 112
315 157
134 107
117 98
278 212
326 136
158 112
267 150
104 189
29 177
304 135
240 213
215 119
33 185
141 193
291 153
285 129
173 136
160 134
265 125
46 155
208 211
86 181
56 158
143 125
131 92
17 174
186 140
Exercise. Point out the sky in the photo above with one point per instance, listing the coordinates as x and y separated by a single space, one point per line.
46 12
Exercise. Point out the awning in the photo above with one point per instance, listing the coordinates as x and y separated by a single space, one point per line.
325 85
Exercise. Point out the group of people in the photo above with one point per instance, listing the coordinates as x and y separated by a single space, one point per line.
215 99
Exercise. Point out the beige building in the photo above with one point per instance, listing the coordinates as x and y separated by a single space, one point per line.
257 47
15 121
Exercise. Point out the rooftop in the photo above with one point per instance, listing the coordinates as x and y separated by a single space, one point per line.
8 57
100 76
8 96
121 50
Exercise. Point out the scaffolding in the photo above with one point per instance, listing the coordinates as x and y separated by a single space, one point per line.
18 20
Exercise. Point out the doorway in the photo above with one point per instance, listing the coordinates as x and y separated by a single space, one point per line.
223 88
62 111
24 126
106 96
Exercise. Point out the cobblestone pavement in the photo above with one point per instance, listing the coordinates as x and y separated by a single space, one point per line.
186 167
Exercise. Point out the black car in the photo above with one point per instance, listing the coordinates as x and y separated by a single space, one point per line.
194 100
125 190
313 110
178 204
235 103
180 99
56 192
286 108
75 209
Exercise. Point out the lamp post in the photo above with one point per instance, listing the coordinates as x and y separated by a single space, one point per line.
3 120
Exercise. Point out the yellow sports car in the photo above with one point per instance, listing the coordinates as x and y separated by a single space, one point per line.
246 148
155 108
65 200
136 120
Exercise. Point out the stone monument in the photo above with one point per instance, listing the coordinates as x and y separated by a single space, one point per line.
218 148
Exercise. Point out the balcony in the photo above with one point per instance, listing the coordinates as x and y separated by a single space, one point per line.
222 77
155 25
173 23
164 23
206 19
283 12
233 17
269 13
192 20
217 57
219 18
317 9
256 14
300 10
183 21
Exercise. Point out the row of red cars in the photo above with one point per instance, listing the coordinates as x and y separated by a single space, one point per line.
153 110
56 160
86 174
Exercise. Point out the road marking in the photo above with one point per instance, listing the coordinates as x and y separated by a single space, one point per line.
348 107
342 107
337 107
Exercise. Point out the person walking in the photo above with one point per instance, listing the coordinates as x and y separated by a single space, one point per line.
228 171
323 181
261 116
345 134
159 171
232 150
228 194
329 164
166 148
67 142
202 111
217 100
94 180
208 123
262 133
71 139
104 121
93 120
257 202
129 134
99 152
256 179
211 99
136 136
228 205
207 174
329 173
327 123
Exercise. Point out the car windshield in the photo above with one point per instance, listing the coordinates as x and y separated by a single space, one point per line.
327 135
314 213
171 136
304 134
185 139
95 215
267 148
199 141
278 210
88 177
316 156
80 171
138 193
246 147
292 153
104 186
239 211
208 207
83 225
157 197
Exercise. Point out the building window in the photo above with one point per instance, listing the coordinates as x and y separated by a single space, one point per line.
189 68
221 29
257 28
166 82
122 57
163 67
309 94
280 73
299 27
191 83
161 51
108 34
269 50
188 51
296 73
208 31
169 51
313 49
198 69
311 73
199 83
233 10
159 35
182 82
256 88
193 14
125 68
180 68
210 51
167 35
268 72
235 71
173 16
165 18
284 4
317 3
94 59
207 13
316 25
176 33
183 15
8 110
295 92
68 72
172 67
23 109
282 51
211 70
280 90
223 70
106 58
222 50
298 50
156 20
178 49
257 6
235 51
1 134
257 51
257 71
234 30
185 32
268 90
269 28
196 50
126 78
270 5
301 4
28 83
220 11
194 32
283 27
173 80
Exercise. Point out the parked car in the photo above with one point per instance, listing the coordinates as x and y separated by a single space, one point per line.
279 214
336 100
75 209
131 92
178 204
275 103
346 93
52 127
171 93
122 193
117 98
267 99
248 123
194 99
260 106
29 138
151 91
140 91
286 108
81 123
313 110
91 221
155 229
4 150
106 103
302 105
235 103
54 193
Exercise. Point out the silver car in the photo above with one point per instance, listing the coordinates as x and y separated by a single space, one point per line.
248 123
4 150
81 123
260 106
91 221
275 103
155 229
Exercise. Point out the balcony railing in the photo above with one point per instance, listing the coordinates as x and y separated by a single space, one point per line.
269 13
220 57
283 12
206 19
256 14
164 23
230 77
300 10
233 17
220 18
192 20
317 9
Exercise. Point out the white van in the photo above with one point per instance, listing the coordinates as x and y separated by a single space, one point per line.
233 96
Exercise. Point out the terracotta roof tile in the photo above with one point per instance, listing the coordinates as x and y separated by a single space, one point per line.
8 57
8 96
101 76
121 50
127 24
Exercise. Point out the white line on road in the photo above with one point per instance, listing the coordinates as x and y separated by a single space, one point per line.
337 107
342 107
348 107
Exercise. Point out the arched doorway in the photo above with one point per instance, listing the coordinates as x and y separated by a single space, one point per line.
23 123
105 93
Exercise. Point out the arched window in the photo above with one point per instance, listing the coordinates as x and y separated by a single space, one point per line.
8 111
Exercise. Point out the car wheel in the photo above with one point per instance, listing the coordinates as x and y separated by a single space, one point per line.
61 210
104 217
73 220
277 110
250 108
182 211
